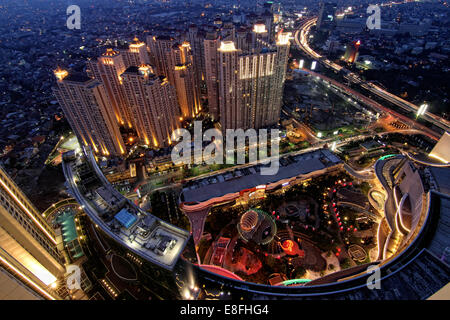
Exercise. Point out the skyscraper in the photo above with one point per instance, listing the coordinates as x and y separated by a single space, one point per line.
182 77
159 47
188 97
211 46
87 108
135 54
195 38
242 39
107 69
228 32
28 247
153 104
279 77
267 17
251 84
327 13
260 36
256 72
232 116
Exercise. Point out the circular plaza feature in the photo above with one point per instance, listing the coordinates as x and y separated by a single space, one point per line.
258 226
357 253
249 220
123 269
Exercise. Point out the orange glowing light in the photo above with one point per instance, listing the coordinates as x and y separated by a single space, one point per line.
288 245
29 213
60 73
26 279
291 248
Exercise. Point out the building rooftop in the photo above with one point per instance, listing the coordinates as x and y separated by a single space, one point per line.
441 150
164 37
132 69
76 77
219 185
371 145
144 234
442 177
126 218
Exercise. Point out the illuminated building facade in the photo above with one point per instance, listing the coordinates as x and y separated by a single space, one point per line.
159 46
28 247
135 54
282 45
182 77
251 84
195 38
255 75
260 36
211 45
87 108
107 69
441 151
153 104
231 114
351 53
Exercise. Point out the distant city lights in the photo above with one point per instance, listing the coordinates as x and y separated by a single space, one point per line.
301 64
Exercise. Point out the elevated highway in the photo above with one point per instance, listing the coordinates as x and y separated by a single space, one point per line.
301 39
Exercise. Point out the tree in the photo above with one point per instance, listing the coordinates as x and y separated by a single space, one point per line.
345 263
300 272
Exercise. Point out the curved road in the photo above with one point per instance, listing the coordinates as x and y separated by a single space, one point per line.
362 174
375 105
301 39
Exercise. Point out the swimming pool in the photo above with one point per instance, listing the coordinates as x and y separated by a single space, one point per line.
69 233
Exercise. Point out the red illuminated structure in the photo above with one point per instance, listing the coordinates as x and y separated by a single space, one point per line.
249 220
291 248
351 54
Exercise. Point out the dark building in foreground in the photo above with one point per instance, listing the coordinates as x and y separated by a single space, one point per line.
162 253
30 264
